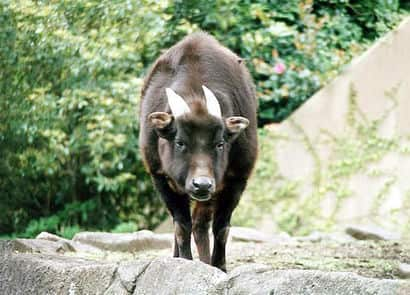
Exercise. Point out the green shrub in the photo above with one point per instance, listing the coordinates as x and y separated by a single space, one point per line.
125 227
69 92
313 39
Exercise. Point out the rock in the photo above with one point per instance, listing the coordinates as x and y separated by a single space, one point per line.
371 233
404 270
68 245
126 276
116 288
35 246
27 273
125 242
320 236
63 245
258 279
50 237
179 276
8 247
313 237
33 273
249 268
129 272
245 234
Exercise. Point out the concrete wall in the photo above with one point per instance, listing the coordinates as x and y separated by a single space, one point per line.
350 154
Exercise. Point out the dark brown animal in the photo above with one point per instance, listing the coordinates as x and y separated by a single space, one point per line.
198 139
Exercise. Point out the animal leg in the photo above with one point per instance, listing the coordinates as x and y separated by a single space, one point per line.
226 202
178 206
201 216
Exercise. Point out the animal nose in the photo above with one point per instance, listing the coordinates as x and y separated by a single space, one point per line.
202 184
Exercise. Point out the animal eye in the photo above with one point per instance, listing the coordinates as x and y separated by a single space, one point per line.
220 145
180 145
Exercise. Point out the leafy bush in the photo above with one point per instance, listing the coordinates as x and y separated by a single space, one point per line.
312 39
125 227
69 91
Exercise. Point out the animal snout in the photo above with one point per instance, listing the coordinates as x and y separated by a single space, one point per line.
201 188
202 185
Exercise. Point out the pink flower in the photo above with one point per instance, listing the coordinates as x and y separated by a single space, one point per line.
279 68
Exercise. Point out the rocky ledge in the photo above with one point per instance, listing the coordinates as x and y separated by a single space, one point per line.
140 263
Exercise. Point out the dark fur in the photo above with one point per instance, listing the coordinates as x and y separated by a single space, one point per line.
199 60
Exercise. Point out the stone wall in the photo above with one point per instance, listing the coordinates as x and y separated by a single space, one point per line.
344 156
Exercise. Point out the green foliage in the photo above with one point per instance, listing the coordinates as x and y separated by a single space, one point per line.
68 137
374 17
312 39
125 227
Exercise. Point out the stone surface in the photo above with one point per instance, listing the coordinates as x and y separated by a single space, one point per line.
8 247
125 242
126 277
65 245
47 244
31 273
320 236
404 270
362 232
50 237
129 272
293 266
179 276
36 246
42 274
246 234
116 288
262 280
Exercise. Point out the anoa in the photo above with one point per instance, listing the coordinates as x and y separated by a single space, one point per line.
198 139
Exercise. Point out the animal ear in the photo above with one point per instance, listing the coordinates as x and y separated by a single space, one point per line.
160 120
176 103
212 103
236 124
163 124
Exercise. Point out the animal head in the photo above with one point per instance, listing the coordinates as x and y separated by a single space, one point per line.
194 144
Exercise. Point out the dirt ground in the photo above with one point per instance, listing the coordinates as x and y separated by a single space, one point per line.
373 259
367 258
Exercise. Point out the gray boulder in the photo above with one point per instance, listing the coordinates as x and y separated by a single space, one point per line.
34 273
125 242
47 243
404 270
246 234
374 233
50 237
126 277
259 279
179 276
45 266
317 237
35 246
27 273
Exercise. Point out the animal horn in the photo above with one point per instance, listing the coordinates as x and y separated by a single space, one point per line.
212 103
176 103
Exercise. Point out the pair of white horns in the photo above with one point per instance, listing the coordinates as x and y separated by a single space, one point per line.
179 106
